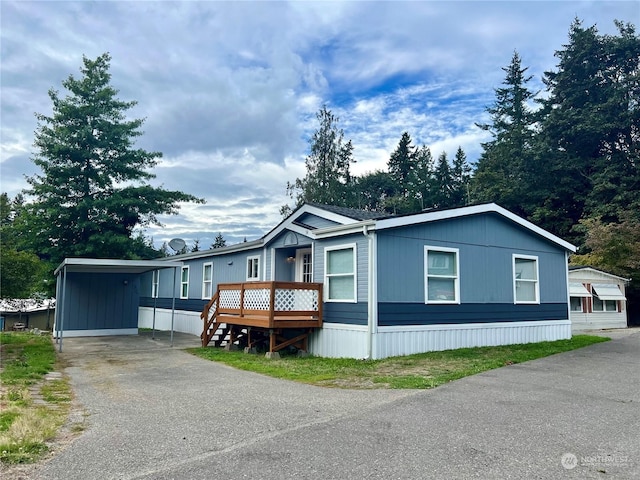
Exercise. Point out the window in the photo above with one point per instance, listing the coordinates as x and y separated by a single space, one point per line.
576 304
155 283
207 281
525 279
340 273
184 282
605 297
253 268
442 282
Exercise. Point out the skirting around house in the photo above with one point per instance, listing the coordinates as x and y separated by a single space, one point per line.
99 332
339 340
342 340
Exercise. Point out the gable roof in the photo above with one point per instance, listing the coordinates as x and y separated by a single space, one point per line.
354 213
437 215
589 268
352 220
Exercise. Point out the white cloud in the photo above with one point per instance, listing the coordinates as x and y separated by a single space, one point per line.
230 90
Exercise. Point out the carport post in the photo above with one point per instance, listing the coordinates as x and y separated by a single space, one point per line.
155 301
64 289
173 301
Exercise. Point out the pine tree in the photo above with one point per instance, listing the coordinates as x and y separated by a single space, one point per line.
328 179
93 190
219 241
460 177
443 180
502 172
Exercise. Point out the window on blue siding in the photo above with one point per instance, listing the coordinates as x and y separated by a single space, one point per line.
207 281
526 287
253 268
155 283
184 282
442 282
340 273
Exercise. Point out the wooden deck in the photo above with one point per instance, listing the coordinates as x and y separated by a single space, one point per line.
250 312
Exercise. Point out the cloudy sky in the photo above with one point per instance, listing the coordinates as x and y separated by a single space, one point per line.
230 90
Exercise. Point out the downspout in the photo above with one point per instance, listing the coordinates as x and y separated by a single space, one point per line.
372 290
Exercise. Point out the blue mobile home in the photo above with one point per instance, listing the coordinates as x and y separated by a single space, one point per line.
398 285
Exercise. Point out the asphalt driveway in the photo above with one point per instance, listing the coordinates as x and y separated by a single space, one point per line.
156 412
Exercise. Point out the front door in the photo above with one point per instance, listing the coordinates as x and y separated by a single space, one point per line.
304 265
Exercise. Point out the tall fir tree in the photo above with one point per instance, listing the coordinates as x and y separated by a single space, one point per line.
443 182
460 178
587 150
93 190
328 179
502 172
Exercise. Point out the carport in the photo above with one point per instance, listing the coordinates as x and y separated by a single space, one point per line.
100 297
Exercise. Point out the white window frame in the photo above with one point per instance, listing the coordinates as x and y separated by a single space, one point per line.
155 283
456 277
571 299
184 293
517 256
595 298
250 268
207 283
328 276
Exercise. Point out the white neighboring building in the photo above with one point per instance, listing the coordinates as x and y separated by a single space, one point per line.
597 299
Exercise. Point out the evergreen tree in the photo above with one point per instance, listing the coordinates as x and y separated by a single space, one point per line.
443 180
460 177
93 189
219 241
373 191
401 165
328 179
424 181
22 273
501 174
588 147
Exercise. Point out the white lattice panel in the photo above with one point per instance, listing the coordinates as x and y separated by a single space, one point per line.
287 300
229 299
256 299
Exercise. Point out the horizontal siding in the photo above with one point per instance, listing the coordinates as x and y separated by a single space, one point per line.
347 313
390 314
598 320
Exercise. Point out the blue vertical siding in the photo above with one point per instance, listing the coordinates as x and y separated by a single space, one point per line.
101 301
486 245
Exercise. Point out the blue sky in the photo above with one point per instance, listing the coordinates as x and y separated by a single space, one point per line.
230 90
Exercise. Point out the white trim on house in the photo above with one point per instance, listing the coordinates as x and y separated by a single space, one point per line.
184 295
207 295
328 276
472 210
253 274
455 277
535 281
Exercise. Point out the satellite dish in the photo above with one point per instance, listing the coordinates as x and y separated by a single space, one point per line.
177 244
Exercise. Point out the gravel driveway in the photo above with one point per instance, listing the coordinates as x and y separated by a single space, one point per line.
156 412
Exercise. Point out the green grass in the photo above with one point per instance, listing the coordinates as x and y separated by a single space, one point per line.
25 428
425 370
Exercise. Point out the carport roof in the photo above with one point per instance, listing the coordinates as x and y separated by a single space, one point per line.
105 265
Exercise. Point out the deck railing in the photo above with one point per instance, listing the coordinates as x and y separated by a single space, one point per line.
270 305
271 300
